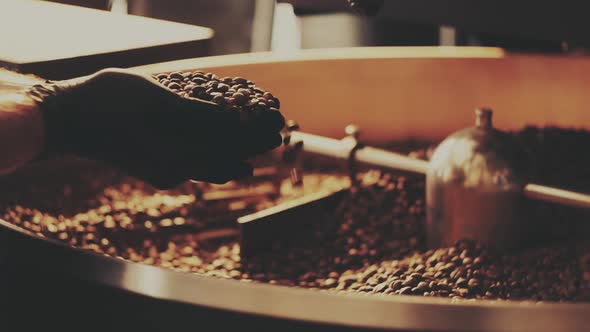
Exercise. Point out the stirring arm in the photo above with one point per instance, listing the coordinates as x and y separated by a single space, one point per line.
367 155
382 158
555 195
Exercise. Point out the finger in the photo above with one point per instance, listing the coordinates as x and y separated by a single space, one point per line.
268 120
260 143
260 133
274 119
220 173
172 177
165 181
159 176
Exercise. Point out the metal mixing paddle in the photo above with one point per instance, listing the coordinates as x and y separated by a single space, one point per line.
476 182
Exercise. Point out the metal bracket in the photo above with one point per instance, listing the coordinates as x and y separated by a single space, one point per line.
291 155
352 139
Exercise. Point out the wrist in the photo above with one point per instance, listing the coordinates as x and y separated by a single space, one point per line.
22 131
48 98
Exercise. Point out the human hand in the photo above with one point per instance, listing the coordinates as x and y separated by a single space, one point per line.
131 121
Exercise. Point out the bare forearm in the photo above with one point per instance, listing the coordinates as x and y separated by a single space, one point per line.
21 130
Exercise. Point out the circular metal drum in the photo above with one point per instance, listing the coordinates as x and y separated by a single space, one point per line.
391 93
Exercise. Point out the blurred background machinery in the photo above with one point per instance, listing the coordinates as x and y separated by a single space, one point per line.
285 25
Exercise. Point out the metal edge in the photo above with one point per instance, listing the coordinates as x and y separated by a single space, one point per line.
347 309
350 309
355 53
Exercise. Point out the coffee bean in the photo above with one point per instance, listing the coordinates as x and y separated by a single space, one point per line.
175 75
204 95
218 99
364 289
245 92
199 80
371 271
174 86
463 292
211 84
456 273
221 87
395 284
239 98
416 276
422 285
397 272
405 291
461 282
473 283
409 282
330 282
197 89
477 261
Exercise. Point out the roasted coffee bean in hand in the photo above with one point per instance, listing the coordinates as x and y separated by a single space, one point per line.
258 109
235 93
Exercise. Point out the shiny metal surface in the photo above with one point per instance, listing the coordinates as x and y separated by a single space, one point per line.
376 311
341 149
474 187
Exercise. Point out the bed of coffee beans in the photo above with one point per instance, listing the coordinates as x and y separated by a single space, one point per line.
377 247
374 244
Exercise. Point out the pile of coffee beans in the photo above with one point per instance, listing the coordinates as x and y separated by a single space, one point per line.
374 244
467 270
232 93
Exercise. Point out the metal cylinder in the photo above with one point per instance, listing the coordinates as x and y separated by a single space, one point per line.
474 187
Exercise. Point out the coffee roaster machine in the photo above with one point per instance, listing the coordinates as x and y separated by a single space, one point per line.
391 93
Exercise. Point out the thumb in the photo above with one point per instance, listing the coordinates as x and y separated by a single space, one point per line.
220 173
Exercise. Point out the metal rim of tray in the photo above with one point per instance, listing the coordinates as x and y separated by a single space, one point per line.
346 309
